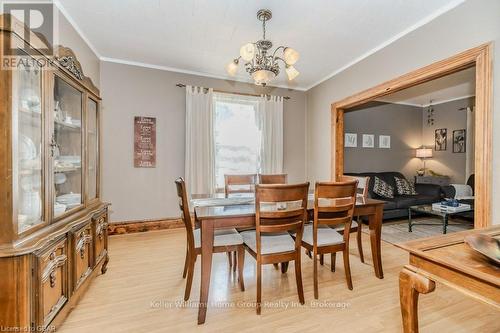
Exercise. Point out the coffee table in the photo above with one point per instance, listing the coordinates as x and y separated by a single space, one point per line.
427 209
447 260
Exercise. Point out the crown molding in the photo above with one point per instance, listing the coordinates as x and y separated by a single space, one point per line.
183 71
71 21
400 103
434 103
448 100
391 40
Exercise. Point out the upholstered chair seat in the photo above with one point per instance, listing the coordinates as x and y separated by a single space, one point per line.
326 236
275 243
224 237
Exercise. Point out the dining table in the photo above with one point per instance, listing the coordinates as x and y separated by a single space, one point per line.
215 211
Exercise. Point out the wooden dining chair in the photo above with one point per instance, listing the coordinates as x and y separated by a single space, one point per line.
226 240
234 185
279 210
273 179
357 224
333 205
239 184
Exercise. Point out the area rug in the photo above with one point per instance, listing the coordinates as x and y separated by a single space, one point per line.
397 231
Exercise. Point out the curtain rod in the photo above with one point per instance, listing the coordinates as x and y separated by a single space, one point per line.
181 85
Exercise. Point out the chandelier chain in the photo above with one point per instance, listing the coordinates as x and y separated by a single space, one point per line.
264 28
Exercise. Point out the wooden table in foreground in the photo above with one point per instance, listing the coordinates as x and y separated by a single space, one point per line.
241 216
448 260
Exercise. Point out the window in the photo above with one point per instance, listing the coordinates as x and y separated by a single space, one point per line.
237 136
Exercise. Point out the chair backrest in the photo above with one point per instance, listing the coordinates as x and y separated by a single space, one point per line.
334 204
273 179
280 208
363 184
184 207
239 184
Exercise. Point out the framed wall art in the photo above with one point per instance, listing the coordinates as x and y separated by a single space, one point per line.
459 141
368 141
440 139
350 140
384 141
144 142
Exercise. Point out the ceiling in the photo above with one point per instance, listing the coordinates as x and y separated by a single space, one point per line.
448 88
202 36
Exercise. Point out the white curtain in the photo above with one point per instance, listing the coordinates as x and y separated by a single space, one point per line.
469 143
270 122
200 161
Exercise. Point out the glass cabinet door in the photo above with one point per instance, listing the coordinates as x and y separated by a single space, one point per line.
92 148
67 147
27 120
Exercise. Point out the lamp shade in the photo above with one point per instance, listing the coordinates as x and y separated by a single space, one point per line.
424 152
232 68
247 51
291 56
262 77
291 72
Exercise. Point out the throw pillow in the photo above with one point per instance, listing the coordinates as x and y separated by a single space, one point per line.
404 187
381 188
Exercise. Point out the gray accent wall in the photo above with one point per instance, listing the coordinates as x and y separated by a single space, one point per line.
128 91
443 37
447 115
408 128
402 122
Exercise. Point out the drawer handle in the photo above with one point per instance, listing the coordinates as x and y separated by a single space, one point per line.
82 242
101 226
49 272
52 278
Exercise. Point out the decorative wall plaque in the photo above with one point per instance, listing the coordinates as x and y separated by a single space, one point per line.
144 142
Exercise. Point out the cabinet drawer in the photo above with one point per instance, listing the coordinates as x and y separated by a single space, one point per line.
82 255
52 281
100 237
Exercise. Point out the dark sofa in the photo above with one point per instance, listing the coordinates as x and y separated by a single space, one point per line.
398 207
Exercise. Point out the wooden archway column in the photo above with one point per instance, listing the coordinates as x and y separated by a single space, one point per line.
481 58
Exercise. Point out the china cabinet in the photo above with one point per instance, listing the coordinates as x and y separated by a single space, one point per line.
53 225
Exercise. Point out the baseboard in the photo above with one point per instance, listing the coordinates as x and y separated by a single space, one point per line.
128 227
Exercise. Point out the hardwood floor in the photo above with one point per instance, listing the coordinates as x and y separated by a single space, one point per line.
144 283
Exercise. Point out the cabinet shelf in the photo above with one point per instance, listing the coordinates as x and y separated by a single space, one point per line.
64 125
29 172
67 169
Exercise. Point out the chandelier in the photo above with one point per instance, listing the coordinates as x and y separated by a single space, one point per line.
260 62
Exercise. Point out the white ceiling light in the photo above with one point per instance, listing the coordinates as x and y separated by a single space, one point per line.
291 72
247 52
260 63
291 56
232 67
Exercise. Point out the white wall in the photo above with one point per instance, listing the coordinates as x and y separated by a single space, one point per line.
128 91
473 23
69 37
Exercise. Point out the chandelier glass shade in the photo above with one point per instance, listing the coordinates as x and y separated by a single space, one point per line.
260 61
